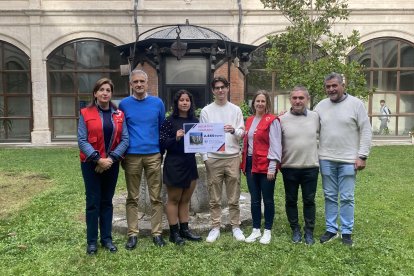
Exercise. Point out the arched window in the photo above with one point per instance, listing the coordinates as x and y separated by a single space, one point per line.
73 69
16 120
389 68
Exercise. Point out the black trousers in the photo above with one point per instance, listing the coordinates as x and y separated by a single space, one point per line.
307 179
99 190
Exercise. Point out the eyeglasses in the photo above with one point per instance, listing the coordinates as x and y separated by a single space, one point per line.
220 87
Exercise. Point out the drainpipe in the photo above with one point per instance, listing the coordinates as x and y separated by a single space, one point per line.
239 36
131 58
240 20
136 19
238 40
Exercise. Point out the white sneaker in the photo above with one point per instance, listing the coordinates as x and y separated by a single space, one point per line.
213 235
254 235
267 235
238 234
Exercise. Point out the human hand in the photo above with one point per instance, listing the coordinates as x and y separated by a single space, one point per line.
360 164
180 133
229 129
105 163
99 169
270 176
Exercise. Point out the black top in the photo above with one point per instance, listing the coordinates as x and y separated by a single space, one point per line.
107 127
179 168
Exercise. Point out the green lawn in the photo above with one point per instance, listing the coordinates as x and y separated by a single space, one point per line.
47 235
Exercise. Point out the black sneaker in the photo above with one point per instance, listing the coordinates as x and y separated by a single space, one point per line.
328 236
309 240
347 240
296 236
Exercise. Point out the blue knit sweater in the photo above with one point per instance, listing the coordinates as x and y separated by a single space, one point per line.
143 118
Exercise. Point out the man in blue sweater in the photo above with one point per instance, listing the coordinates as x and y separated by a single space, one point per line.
144 115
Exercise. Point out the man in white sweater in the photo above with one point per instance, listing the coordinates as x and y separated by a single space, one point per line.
300 165
344 145
224 166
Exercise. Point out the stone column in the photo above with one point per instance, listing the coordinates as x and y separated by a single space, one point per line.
41 134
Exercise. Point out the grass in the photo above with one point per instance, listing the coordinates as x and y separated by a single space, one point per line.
45 233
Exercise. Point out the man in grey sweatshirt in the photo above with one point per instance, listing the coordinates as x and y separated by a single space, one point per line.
344 145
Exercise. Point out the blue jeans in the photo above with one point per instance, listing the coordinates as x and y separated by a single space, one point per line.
260 187
99 190
307 179
338 179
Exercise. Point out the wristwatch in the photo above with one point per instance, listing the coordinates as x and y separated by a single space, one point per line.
363 158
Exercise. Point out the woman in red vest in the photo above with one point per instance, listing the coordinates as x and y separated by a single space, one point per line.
102 139
262 150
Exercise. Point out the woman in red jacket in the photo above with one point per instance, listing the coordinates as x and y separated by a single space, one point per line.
102 139
262 152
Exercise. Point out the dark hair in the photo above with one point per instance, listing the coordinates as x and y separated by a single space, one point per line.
334 75
97 86
177 96
218 79
268 101
382 101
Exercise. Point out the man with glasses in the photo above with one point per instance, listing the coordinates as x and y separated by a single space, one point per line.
300 165
224 166
344 146
144 115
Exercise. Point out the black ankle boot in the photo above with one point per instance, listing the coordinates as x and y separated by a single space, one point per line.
186 233
175 236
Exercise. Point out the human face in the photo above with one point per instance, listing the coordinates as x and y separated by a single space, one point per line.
184 104
220 92
103 95
334 89
260 104
299 101
139 85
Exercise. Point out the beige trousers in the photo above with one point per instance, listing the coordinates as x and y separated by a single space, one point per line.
133 165
225 171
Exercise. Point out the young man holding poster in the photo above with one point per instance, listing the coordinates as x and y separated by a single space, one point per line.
224 166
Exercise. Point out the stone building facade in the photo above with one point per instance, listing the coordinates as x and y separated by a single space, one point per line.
52 51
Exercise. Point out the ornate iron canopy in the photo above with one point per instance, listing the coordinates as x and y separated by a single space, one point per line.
186 39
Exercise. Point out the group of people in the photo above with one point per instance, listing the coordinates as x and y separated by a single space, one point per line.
334 139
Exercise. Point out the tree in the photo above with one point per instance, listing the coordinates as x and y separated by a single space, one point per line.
309 49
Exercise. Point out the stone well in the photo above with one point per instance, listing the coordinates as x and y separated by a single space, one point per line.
199 207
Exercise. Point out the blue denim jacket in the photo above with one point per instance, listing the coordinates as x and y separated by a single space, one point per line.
90 152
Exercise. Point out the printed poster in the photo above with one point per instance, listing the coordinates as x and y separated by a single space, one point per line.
204 137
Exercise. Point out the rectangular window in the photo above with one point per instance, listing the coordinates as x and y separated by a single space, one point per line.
63 106
186 71
18 107
405 125
61 82
407 103
407 81
64 129
385 80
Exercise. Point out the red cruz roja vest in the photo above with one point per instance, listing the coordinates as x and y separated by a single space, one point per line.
94 123
261 144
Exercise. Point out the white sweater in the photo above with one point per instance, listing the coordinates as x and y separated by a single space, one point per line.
229 114
345 131
300 140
